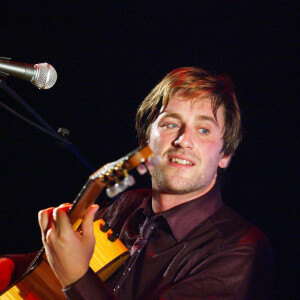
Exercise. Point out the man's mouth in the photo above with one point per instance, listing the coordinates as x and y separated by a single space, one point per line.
181 161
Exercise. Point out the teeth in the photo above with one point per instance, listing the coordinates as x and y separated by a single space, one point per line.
181 161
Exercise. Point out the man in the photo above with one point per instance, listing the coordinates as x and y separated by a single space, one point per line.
184 243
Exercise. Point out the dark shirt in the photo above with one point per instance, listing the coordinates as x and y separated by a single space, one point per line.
197 250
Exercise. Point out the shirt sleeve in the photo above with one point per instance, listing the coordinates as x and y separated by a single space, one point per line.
22 262
90 287
242 272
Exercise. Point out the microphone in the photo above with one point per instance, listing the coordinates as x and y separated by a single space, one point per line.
42 75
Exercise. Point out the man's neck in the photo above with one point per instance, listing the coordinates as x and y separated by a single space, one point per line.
162 201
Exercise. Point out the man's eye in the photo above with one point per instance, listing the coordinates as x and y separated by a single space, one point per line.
170 125
204 131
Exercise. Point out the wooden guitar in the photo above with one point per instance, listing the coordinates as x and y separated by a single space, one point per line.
39 281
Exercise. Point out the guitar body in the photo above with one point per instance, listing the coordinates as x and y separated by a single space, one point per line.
41 283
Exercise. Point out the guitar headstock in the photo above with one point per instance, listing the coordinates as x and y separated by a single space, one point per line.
116 175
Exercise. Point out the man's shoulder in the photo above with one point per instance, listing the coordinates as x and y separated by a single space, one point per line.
238 232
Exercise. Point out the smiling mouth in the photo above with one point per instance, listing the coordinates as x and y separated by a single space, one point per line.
181 161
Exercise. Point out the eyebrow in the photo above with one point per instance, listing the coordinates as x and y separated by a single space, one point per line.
208 118
199 117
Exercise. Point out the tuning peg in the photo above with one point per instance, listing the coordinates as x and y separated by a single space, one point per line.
129 180
153 161
112 191
121 186
142 169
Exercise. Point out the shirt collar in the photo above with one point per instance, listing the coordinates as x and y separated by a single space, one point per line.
183 218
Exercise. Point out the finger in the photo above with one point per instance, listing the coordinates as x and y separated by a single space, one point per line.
87 222
61 221
45 218
66 207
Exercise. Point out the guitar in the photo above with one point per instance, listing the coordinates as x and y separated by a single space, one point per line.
39 281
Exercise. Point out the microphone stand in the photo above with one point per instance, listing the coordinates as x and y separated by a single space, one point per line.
48 129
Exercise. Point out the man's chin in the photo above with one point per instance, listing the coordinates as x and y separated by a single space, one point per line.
177 188
168 181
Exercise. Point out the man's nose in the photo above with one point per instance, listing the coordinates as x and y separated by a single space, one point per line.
184 139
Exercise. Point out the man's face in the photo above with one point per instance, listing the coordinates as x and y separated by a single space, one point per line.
188 138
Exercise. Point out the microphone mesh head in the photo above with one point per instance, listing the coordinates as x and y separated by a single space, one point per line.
45 76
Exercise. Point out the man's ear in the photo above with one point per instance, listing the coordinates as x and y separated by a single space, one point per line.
224 161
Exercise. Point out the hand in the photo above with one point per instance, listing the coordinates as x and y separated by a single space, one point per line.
7 267
68 252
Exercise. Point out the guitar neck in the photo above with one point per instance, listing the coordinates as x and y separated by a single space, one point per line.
99 180
86 197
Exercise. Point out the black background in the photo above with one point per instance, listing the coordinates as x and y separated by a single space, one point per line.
108 56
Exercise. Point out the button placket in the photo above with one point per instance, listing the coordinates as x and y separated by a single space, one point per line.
145 232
